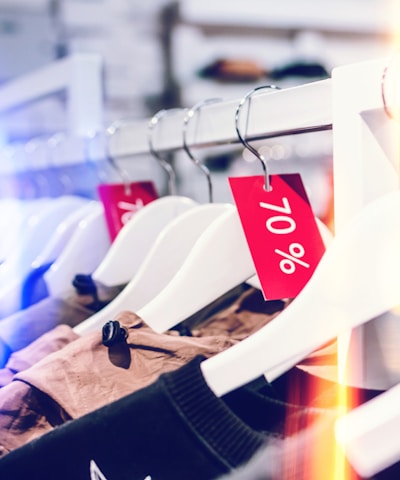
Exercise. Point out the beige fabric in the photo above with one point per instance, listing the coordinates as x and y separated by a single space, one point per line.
49 342
86 375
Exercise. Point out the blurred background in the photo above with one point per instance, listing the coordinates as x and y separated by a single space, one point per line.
164 54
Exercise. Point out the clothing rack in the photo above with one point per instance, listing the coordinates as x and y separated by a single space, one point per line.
350 103
365 156
365 159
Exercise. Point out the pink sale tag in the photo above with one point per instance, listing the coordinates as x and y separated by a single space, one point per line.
281 232
121 201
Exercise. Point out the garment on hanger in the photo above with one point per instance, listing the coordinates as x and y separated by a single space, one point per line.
86 374
34 235
47 343
176 428
73 401
63 334
20 329
213 319
34 286
79 254
160 264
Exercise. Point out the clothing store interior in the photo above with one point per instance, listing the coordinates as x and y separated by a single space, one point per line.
199 240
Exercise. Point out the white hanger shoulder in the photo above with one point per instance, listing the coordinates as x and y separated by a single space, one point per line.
164 259
62 234
219 260
356 280
14 222
368 433
38 229
86 248
12 214
135 239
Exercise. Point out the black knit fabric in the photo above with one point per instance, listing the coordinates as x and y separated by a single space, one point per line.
175 429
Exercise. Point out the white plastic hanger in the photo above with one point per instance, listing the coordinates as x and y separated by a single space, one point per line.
12 214
164 259
219 261
134 240
62 234
167 254
51 250
356 280
85 250
368 434
16 221
37 230
16 218
136 237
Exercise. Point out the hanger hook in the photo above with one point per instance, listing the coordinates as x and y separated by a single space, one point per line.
111 130
245 143
190 114
154 121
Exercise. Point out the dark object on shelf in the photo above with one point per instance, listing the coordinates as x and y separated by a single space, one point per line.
299 69
221 162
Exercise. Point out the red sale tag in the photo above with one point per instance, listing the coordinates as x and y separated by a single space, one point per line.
121 201
281 232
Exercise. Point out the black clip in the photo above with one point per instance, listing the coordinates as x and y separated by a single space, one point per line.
85 285
113 333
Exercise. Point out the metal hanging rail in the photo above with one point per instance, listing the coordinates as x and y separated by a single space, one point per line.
295 110
301 109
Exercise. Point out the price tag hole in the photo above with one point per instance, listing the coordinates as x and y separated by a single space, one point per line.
267 190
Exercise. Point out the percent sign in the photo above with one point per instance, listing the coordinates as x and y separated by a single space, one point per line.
288 265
